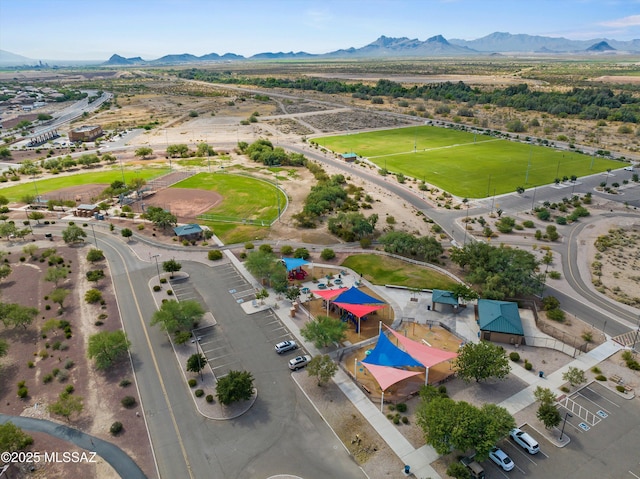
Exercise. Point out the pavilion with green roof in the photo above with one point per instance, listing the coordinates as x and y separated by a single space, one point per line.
500 321
444 297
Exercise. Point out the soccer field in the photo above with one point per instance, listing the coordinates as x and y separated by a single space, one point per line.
465 164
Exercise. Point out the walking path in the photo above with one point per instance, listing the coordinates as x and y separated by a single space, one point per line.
419 459
116 457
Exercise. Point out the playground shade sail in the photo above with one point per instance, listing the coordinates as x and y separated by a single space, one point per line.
294 263
388 376
360 310
387 354
355 296
427 355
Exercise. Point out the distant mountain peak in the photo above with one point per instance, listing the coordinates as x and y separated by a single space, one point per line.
601 47
437 39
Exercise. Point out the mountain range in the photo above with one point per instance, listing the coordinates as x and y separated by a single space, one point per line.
389 47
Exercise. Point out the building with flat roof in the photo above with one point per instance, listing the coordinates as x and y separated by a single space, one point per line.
85 133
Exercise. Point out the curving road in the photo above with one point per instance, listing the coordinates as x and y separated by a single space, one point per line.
116 457
281 434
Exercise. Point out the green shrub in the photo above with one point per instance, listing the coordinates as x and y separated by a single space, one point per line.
124 383
620 388
170 292
458 471
128 401
157 287
215 255
564 389
116 428
209 398
405 420
515 357
555 275
69 364
199 393
327 254
30 364
23 392
396 419
249 245
93 296
556 315
392 407
401 407
601 377
56 346
596 370
47 378
69 389
286 250
163 280
55 372
527 365
192 383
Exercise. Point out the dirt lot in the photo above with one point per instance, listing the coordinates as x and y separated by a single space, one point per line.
185 203
50 360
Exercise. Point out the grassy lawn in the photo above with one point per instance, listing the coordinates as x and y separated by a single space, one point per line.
244 197
232 233
464 164
384 270
14 193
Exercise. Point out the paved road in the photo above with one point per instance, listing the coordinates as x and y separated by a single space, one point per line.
116 457
281 434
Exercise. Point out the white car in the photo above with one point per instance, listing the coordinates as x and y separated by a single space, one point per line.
285 346
525 441
299 362
628 168
498 456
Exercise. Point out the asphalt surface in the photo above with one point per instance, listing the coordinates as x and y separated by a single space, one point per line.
281 434
116 457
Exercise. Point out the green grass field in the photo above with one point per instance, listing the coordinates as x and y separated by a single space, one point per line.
245 198
464 164
385 270
15 193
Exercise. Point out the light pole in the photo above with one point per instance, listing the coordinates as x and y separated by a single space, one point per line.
156 256
635 339
568 414
533 201
195 339
94 235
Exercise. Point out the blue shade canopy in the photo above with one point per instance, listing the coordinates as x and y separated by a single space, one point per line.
354 296
387 354
294 263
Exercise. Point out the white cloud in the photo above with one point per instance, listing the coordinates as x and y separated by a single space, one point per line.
630 21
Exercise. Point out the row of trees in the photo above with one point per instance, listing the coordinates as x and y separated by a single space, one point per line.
263 151
587 103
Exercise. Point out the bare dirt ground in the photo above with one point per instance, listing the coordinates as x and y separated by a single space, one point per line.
185 203
34 354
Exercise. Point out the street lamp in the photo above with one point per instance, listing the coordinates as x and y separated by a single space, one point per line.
195 339
156 256
94 235
568 414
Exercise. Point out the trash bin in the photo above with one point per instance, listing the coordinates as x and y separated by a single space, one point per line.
407 469
292 312
541 374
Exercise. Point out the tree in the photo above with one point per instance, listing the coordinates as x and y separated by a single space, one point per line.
136 184
36 215
481 361
196 363
55 274
143 152
126 233
549 415
13 314
58 296
66 405
544 395
171 266
180 150
323 368
324 331
292 293
234 386
463 292
95 275
30 249
204 149
574 376
327 254
5 270
262 295
107 347
5 153
175 316
73 234
93 296
95 255
448 424
260 263
12 438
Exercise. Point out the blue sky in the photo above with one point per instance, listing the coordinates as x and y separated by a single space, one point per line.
95 29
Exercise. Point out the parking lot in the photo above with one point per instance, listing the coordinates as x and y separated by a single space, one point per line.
224 355
604 429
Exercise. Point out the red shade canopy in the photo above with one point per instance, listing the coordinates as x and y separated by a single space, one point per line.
427 355
328 293
388 376
360 310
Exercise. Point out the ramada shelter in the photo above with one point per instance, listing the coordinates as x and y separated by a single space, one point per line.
500 321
